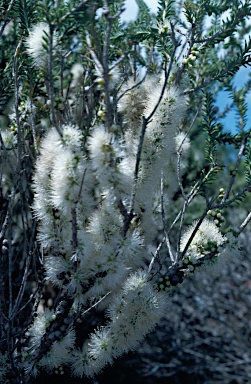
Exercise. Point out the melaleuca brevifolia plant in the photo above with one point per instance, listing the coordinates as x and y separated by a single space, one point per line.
117 178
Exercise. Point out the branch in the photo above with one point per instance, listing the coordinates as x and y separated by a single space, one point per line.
16 82
245 223
167 74
240 194
197 226
6 19
136 174
164 220
51 87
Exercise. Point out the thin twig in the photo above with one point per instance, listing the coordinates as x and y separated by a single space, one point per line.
238 195
16 82
156 253
23 285
179 174
74 229
98 302
138 157
143 78
51 87
33 125
164 219
6 19
133 87
167 74
195 230
130 216
94 56
245 223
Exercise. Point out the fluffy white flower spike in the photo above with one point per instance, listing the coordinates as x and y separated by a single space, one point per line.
36 44
134 313
207 239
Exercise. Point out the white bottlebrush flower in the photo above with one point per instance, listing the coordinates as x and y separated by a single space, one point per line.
66 179
61 178
56 233
56 267
207 239
159 154
36 44
100 346
131 248
132 104
82 364
49 150
71 137
164 124
182 142
135 281
134 313
105 223
165 121
59 352
39 326
113 169
100 145
125 169
79 361
70 180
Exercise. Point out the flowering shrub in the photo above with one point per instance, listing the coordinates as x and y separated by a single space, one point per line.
101 198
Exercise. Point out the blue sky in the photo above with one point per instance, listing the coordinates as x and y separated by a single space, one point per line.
223 100
132 8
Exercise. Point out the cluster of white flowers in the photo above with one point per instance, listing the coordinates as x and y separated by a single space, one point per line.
132 105
110 163
62 180
82 191
60 350
37 43
133 313
207 238
159 152
108 182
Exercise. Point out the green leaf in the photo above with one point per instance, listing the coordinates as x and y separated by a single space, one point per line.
26 14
